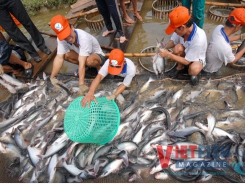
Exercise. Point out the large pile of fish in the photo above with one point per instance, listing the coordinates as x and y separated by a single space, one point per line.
156 112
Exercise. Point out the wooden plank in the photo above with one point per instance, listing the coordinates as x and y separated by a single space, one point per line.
79 8
51 43
225 4
80 3
127 28
78 15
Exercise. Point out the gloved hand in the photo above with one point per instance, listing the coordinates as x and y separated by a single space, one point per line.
55 82
1 70
111 97
83 89
242 36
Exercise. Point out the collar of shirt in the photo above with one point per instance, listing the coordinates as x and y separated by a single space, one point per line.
76 37
224 35
194 30
124 70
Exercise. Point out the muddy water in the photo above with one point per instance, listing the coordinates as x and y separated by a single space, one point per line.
144 35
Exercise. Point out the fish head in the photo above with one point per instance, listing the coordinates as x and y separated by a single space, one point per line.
158 43
103 174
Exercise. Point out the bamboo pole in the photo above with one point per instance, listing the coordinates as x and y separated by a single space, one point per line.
224 4
82 14
49 34
135 54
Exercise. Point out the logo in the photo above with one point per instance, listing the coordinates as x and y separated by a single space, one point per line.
196 156
114 62
58 26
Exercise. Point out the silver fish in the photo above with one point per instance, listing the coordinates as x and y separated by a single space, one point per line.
157 94
211 124
72 169
112 167
100 162
192 95
56 145
127 146
217 132
138 136
158 64
161 175
146 85
19 139
51 167
12 80
177 95
12 120
10 88
34 154
28 168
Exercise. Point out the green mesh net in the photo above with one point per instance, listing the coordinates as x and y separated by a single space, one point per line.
97 124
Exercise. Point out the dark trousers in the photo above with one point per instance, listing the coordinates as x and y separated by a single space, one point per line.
108 9
17 9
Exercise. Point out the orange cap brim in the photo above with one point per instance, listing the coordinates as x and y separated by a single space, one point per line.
170 30
114 70
64 33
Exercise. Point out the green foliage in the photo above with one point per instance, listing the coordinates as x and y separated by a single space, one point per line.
33 6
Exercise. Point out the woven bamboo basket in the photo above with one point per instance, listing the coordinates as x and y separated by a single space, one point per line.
94 21
162 8
219 13
241 62
145 62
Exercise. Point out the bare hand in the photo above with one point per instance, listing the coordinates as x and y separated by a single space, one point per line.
83 89
87 99
163 52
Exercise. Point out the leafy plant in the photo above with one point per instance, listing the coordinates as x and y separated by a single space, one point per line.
33 6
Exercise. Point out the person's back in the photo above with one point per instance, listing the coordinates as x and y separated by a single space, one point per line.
219 50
